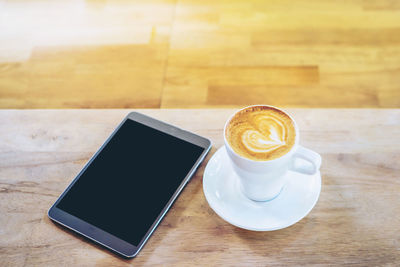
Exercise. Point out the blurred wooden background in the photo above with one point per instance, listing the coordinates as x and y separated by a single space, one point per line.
196 53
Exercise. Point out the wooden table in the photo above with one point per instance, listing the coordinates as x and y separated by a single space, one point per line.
356 220
199 53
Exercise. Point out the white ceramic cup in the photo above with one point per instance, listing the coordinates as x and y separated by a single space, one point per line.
264 180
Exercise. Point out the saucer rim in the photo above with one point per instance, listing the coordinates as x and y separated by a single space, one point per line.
259 229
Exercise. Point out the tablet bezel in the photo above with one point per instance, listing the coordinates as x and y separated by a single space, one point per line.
104 238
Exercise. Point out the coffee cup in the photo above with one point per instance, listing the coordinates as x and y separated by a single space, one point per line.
262 143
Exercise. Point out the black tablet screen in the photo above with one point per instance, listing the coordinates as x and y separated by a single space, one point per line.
128 184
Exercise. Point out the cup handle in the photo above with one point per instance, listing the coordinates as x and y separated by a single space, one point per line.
308 155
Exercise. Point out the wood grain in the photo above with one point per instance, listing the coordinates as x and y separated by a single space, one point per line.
83 54
356 220
353 46
190 53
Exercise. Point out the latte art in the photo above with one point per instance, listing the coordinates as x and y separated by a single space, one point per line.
261 133
268 135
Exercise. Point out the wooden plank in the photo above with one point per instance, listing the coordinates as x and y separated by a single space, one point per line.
74 54
291 96
323 37
355 50
354 222
210 80
124 54
86 77
383 5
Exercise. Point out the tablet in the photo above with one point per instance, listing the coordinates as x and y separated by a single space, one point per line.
125 189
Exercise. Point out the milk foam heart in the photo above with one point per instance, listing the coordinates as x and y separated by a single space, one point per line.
261 133
269 133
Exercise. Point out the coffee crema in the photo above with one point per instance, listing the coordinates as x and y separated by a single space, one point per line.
261 133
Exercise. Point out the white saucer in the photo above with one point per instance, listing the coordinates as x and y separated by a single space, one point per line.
221 189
